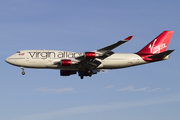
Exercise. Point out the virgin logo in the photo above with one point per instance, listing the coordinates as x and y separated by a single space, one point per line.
158 48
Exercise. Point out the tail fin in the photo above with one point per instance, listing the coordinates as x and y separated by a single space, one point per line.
158 45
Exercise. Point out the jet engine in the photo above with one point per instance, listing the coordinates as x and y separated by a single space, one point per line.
91 55
66 62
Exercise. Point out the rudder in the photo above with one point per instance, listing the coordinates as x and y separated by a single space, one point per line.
158 45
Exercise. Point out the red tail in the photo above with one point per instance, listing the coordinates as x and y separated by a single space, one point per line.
158 45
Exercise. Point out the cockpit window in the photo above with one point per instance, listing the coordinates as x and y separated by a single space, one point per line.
18 52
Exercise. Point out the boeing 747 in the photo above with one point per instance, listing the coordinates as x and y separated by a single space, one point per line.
92 62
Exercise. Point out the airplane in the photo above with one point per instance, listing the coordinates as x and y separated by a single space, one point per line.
92 62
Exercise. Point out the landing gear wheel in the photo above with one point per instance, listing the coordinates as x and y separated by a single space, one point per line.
23 73
82 77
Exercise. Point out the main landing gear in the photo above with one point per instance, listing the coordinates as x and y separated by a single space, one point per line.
82 77
83 73
23 73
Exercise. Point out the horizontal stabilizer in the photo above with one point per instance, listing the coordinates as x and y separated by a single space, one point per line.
161 55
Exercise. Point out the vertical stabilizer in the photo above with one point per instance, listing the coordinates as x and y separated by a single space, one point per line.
158 45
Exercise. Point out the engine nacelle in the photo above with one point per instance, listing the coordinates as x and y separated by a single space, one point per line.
66 62
91 55
67 72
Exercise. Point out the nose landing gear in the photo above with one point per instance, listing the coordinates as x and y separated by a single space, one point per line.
23 73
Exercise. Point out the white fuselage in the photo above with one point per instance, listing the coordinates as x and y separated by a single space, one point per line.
46 58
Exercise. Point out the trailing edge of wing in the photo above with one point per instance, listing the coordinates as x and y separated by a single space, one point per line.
161 55
112 46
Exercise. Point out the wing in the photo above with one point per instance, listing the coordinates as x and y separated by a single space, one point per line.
90 59
105 51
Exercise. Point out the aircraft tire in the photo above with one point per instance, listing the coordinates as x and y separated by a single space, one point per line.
23 73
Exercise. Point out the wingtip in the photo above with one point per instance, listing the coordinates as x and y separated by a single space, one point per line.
128 38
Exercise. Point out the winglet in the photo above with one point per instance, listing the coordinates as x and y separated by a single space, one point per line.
128 38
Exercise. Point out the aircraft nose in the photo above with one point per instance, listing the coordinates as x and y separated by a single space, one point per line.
10 60
7 60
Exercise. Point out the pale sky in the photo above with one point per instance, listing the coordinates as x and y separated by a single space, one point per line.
146 92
